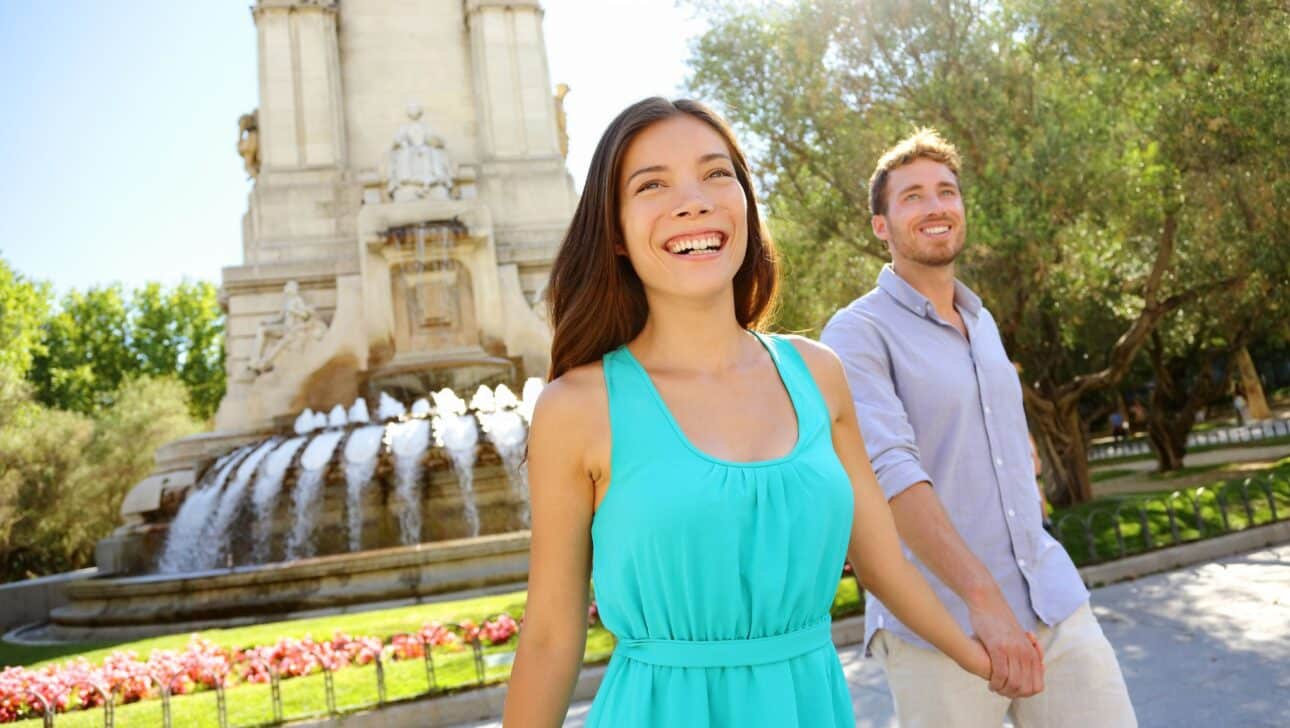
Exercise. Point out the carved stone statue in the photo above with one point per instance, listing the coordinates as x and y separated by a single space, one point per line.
419 166
298 322
562 119
248 142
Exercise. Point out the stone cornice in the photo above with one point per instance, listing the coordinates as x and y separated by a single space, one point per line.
475 6
327 6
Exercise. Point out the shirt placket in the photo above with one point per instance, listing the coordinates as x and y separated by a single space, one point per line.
1012 516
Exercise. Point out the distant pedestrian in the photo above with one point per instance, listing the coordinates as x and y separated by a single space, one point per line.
1118 430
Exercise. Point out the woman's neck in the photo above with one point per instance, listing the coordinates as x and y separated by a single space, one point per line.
692 336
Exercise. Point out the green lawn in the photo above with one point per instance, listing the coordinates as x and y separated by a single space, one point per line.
356 687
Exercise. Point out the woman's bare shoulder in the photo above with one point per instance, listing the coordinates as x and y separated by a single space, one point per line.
575 399
825 367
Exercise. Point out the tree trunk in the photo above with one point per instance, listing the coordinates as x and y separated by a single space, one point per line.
1251 386
1168 438
1063 446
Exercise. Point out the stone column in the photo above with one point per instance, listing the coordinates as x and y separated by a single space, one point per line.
301 115
508 53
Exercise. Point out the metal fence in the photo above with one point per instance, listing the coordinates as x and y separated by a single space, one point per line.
1217 437
1211 510
382 658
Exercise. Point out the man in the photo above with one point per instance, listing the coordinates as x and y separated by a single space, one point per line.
940 407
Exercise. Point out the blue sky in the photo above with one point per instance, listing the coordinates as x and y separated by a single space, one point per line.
119 125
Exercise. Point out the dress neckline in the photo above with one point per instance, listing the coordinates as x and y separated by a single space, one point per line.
685 440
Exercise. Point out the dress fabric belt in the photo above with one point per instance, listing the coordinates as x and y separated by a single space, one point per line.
728 653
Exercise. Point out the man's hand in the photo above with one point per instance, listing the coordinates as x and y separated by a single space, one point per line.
1016 661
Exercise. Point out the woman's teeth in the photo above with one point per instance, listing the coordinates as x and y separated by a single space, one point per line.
695 245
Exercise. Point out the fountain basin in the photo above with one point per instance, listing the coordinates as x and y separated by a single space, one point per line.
145 606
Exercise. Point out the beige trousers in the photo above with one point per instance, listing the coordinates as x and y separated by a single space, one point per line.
1083 686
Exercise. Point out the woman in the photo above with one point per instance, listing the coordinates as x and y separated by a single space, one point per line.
717 474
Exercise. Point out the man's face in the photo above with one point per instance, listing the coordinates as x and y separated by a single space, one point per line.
924 222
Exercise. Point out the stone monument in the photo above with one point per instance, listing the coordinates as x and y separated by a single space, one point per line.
409 194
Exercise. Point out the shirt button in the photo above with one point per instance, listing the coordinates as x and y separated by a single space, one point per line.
1021 563
998 461
987 409
1011 513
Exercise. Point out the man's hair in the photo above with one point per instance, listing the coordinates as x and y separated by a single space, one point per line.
925 143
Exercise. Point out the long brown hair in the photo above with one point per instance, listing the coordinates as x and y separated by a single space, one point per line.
596 299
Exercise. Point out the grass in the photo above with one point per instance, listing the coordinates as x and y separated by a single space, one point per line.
353 687
1194 520
1099 476
356 687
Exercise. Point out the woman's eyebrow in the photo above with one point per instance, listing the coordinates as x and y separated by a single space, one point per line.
645 170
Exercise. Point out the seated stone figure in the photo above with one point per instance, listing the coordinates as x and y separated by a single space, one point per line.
298 322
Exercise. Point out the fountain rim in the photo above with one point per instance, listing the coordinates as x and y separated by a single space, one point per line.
315 567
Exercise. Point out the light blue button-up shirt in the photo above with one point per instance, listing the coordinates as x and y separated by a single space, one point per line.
936 406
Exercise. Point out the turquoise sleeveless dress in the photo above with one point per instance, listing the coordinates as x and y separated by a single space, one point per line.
716 577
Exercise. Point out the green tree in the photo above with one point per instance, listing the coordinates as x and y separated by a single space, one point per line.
24 304
64 474
1076 181
180 332
86 353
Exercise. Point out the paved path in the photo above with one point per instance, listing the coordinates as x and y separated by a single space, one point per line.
1208 645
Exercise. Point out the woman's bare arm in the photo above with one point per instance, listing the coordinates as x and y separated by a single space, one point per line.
562 494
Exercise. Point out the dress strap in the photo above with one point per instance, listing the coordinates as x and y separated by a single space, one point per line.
812 411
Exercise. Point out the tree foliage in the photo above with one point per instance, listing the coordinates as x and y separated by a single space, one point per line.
1122 163
63 474
99 338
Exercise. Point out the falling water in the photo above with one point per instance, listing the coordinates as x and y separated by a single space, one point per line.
505 429
306 495
264 495
458 433
215 543
361 451
503 424
389 408
409 442
337 417
358 411
186 530
304 422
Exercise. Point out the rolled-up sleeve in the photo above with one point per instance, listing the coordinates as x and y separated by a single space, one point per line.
888 435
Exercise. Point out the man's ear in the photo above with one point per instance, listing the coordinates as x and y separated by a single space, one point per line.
879 225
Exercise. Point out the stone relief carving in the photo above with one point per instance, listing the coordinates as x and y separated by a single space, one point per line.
248 142
419 165
298 322
562 119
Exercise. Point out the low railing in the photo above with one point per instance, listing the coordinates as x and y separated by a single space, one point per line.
1218 437
1170 520
469 636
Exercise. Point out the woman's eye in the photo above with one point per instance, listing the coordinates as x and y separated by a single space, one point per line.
721 172
651 185
913 197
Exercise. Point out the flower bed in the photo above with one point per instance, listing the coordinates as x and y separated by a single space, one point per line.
202 665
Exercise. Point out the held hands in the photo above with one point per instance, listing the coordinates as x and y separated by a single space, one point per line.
1014 662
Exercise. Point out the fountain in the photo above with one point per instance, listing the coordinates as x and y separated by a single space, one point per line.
369 447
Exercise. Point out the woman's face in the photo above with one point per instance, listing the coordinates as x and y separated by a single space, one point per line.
683 213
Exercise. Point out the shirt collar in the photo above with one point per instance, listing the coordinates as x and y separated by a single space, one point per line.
907 296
